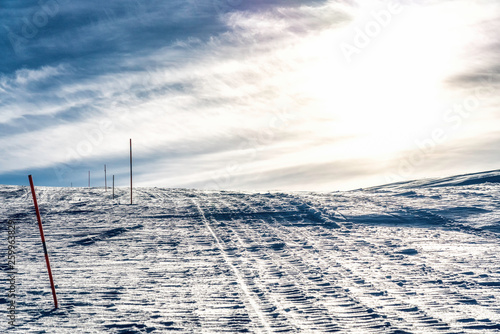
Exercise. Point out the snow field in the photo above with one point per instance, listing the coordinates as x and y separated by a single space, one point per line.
384 260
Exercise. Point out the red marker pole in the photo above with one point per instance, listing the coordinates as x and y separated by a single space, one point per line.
130 171
43 241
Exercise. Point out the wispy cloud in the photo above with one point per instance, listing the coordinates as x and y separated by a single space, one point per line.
228 94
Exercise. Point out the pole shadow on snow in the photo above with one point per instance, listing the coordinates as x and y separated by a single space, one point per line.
104 235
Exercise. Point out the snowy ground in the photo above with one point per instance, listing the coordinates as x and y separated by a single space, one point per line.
408 258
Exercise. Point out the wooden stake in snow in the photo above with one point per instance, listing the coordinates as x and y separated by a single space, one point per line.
43 241
89 179
105 181
113 187
130 171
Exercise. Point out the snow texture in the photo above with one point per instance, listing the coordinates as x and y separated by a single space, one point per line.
415 257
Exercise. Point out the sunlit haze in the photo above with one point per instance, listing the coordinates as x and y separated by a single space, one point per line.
248 95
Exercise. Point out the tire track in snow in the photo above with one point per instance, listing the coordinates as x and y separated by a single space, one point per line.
363 289
357 284
438 295
355 250
324 307
255 306
257 268
295 290
290 291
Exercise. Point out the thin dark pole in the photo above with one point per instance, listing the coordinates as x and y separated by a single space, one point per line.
89 179
39 218
105 181
113 187
130 171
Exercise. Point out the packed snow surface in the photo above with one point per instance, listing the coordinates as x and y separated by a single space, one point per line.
421 257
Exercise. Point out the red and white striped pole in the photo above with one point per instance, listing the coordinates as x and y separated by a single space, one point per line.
43 241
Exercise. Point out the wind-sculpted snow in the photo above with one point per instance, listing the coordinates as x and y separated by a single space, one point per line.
387 260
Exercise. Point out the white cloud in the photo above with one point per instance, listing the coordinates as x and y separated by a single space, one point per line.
271 92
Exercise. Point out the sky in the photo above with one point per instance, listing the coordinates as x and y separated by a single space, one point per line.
248 95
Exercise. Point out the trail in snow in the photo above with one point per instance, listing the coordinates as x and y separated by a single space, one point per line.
405 259
241 282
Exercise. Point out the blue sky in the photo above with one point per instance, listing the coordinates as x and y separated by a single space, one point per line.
248 95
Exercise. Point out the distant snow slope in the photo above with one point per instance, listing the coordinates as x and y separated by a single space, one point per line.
419 259
458 180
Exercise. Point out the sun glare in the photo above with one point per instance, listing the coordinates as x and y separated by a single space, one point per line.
392 93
